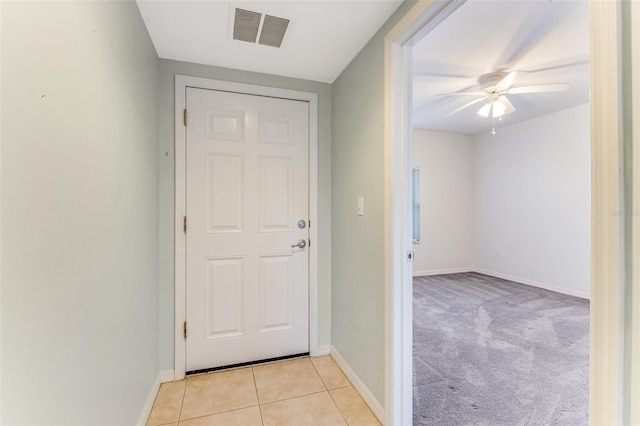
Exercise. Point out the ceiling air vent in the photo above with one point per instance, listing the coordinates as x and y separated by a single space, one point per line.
247 24
273 30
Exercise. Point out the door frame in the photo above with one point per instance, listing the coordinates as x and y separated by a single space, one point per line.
607 316
181 84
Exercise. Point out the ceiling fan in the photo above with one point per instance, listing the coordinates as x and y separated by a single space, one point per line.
494 94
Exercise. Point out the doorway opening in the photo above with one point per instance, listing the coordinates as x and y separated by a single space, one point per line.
502 277
605 367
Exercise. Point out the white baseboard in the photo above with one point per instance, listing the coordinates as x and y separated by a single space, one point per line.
533 283
359 386
167 376
148 405
442 271
320 350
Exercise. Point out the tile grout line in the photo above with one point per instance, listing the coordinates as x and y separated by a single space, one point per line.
345 386
255 385
154 406
165 424
212 373
301 395
339 409
319 375
212 414
336 388
295 397
184 394
342 372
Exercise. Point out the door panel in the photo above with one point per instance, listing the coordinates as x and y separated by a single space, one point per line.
224 125
276 293
224 307
224 192
247 188
275 129
276 194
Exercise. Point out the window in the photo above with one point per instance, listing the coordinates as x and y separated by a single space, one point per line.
415 203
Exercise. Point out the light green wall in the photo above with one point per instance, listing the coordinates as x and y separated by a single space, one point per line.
167 71
79 213
357 162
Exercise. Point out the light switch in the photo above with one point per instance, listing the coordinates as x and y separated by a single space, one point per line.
360 206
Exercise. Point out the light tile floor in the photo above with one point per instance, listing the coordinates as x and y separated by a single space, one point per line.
306 391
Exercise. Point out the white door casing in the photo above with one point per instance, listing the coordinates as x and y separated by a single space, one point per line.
181 84
247 189
422 18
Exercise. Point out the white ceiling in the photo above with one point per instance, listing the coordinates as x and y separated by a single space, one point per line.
322 38
550 39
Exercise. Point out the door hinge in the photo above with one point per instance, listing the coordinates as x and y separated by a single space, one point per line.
309 242
184 224
184 117
184 329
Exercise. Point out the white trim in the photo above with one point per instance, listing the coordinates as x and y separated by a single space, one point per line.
519 280
633 351
181 83
359 385
421 19
533 283
321 351
167 376
607 314
151 399
442 272
1 210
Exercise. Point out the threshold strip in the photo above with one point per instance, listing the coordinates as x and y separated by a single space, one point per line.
246 364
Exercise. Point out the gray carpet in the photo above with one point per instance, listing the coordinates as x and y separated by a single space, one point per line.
488 351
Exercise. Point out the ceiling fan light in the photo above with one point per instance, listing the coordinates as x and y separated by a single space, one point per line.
485 110
509 108
498 109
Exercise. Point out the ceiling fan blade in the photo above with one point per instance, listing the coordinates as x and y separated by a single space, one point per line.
579 63
450 76
508 80
467 105
509 108
463 94
485 110
541 21
539 88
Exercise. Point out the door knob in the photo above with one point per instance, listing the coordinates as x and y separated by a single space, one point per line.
300 244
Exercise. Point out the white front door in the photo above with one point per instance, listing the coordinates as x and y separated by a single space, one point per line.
247 203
